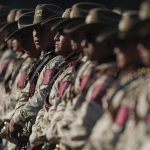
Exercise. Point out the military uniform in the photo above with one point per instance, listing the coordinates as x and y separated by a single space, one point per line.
119 126
29 107
17 84
62 81
92 107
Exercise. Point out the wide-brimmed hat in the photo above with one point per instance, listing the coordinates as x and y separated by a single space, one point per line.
45 13
127 24
77 14
95 19
13 17
58 19
24 25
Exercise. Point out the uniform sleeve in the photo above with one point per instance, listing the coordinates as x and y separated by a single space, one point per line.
90 111
35 103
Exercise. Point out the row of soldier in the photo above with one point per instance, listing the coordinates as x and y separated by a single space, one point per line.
75 79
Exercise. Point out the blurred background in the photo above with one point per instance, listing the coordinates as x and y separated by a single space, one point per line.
123 4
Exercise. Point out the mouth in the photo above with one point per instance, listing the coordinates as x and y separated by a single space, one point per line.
37 41
56 45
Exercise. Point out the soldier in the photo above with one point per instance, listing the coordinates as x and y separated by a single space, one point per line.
39 134
12 60
118 124
43 68
98 79
17 81
143 45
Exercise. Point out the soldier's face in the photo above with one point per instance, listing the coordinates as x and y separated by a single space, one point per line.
126 56
62 44
17 44
28 45
144 52
76 40
91 49
43 37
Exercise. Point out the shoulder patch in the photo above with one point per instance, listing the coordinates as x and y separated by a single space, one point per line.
3 67
47 76
22 81
84 81
63 86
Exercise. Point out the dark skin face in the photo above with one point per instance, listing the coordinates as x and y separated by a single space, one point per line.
127 55
96 51
43 37
62 44
28 45
17 44
76 39
144 52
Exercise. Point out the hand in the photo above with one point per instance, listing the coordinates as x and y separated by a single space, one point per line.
14 129
35 147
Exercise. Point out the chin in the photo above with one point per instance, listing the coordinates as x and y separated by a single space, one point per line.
38 47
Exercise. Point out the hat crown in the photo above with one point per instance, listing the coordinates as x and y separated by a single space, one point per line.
127 21
25 20
66 13
44 11
11 16
20 12
82 9
144 12
102 15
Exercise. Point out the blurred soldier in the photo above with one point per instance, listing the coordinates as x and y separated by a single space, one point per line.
143 32
100 78
77 16
117 126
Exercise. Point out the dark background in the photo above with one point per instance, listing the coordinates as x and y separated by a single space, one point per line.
124 4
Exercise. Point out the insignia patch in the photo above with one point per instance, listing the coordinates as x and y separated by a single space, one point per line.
84 81
63 86
3 67
46 76
122 116
22 80
97 90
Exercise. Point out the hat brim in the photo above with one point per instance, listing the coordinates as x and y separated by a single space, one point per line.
107 33
7 25
139 29
19 32
52 20
91 27
66 22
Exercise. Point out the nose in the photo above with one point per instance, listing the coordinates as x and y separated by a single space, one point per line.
56 38
116 50
84 43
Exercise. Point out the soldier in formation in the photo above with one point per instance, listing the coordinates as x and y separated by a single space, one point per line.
75 79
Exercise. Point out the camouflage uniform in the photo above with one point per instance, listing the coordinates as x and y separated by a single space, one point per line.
29 106
16 84
120 125
64 111
5 89
62 82
92 107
